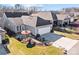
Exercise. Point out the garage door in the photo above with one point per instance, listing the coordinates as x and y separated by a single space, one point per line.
44 30
0 39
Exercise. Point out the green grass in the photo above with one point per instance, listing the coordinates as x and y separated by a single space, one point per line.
69 35
18 48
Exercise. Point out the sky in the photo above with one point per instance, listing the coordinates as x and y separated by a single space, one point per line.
51 6
59 6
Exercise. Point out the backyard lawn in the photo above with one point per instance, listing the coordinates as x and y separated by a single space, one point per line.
18 48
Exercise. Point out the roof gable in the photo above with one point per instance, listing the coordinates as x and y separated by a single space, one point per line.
41 22
34 21
29 20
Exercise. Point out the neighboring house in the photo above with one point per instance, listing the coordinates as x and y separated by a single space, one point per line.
72 19
2 19
2 34
76 13
75 26
62 19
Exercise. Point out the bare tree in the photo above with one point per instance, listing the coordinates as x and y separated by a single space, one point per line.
19 7
33 9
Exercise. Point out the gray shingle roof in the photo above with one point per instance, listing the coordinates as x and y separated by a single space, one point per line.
15 14
38 19
61 16
17 20
44 15
34 21
29 20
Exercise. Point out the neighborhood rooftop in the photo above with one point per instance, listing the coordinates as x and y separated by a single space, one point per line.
62 16
15 14
47 15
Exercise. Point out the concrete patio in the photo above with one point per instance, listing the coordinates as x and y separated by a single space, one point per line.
51 37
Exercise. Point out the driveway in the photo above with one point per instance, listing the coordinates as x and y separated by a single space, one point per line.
70 45
74 50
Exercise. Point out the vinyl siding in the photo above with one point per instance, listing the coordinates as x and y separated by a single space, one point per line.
45 26
33 29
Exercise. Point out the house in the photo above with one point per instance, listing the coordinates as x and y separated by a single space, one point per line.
2 34
15 25
71 46
62 19
37 25
17 22
14 21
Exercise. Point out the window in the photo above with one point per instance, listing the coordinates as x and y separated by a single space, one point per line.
23 28
17 28
20 28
